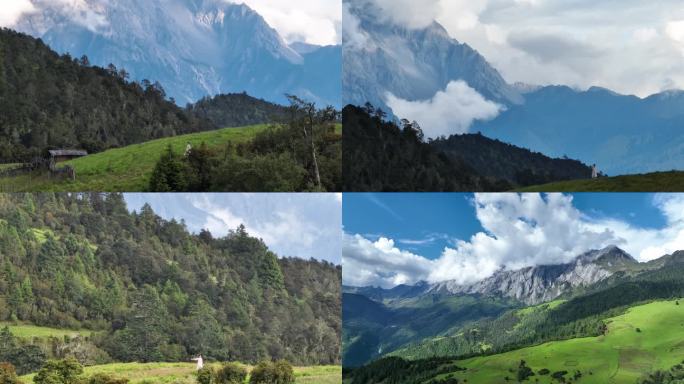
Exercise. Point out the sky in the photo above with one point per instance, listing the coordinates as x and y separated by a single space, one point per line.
312 21
304 225
392 239
629 46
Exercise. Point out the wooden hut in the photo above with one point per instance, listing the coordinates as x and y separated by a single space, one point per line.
60 155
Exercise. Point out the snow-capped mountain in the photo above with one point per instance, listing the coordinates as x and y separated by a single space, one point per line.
412 64
193 48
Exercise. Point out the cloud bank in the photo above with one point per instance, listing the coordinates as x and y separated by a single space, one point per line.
448 112
630 46
520 230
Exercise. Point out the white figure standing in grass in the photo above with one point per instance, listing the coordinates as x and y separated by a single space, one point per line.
200 362
188 149
594 172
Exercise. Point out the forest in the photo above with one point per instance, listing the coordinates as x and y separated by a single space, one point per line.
302 152
52 101
149 290
381 155
236 110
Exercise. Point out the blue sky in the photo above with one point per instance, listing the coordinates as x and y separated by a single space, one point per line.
402 238
292 224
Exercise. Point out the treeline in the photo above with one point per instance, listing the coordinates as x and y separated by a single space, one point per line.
237 110
152 291
580 316
52 101
302 153
395 370
383 156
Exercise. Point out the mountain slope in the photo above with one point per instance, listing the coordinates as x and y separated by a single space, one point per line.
194 48
412 64
237 110
52 101
152 291
645 338
621 134
380 156
538 284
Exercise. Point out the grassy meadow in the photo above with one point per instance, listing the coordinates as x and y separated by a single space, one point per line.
184 373
622 355
27 331
672 181
124 169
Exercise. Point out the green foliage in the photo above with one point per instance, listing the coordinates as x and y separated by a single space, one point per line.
670 181
141 288
65 371
102 378
279 372
8 375
524 372
236 110
303 153
205 376
49 101
230 373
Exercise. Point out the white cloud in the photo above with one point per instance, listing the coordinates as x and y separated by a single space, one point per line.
409 13
11 10
604 43
353 36
520 230
450 111
312 21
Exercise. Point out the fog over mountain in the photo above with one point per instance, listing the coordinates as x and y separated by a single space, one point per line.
193 48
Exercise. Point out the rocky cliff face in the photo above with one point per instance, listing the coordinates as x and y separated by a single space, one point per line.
193 48
412 64
542 283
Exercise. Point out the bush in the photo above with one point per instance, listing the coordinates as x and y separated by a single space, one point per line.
230 373
8 375
65 371
266 372
205 376
102 378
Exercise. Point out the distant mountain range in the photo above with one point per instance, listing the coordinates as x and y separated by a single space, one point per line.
194 48
621 134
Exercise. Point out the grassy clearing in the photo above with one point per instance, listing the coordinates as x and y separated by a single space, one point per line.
184 373
621 356
26 331
672 181
126 169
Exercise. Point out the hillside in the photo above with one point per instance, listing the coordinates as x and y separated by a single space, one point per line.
128 168
385 157
644 339
672 181
237 110
148 290
52 101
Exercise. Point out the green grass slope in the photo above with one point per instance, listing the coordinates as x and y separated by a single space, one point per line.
27 331
126 169
672 181
184 373
622 355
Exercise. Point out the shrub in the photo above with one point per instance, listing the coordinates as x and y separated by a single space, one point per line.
266 372
102 378
543 371
7 374
230 373
65 371
205 376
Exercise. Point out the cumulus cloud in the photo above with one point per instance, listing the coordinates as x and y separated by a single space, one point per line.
311 21
519 230
448 112
408 13
13 9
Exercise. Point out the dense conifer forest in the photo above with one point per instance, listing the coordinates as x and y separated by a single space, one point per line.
383 156
237 110
52 101
149 290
